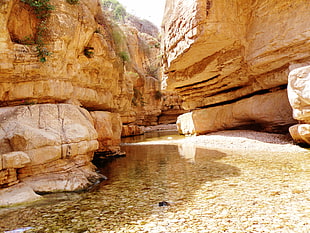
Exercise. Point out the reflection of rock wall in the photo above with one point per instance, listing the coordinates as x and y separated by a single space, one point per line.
299 96
49 147
219 52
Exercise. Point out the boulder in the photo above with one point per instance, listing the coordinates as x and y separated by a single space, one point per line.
299 97
49 142
299 93
17 159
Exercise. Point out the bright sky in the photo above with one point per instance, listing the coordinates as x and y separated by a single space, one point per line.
150 10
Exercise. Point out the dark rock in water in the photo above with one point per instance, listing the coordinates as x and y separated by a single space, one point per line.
163 203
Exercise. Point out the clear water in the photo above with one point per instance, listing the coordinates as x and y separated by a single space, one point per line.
131 199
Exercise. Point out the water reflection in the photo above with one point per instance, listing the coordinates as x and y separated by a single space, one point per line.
137 183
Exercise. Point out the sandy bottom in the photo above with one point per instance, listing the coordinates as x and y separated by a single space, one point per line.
231 181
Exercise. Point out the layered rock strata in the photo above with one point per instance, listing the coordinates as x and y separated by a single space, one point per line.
270 112
219 52
299 97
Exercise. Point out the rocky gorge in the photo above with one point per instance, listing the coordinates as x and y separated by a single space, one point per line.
76 76
230 61
73 80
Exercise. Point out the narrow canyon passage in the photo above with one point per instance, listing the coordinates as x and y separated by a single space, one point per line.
167 184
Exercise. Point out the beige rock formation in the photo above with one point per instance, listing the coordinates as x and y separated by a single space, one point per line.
171 108
109 128
131 130
143 70
94 61
269 112
299 93
83 65
218 52
50 147
299 97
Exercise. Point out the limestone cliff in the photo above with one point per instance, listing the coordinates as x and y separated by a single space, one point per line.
69 78
219 52
92 59
83 64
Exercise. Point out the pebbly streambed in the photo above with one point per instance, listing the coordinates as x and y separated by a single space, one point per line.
168 183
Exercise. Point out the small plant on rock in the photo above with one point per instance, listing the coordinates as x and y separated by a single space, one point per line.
89 52
124 56
42 10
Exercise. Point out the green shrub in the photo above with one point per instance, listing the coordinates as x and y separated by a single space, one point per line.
89 52
124 56
42 10
118 36
118 11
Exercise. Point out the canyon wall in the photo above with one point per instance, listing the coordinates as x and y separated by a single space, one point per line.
94 61
83 65
70 78
218 53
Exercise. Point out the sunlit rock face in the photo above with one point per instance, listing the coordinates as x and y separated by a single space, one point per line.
143 70
219 52
83 64
270 112
48 147
299 96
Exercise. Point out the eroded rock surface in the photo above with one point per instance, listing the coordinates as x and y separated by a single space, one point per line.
219 52
49 147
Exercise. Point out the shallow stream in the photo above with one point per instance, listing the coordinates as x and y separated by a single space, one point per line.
164 188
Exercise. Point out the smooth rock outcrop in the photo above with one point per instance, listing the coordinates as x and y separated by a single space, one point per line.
268 112
20 193
299 97
50 147
219 52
